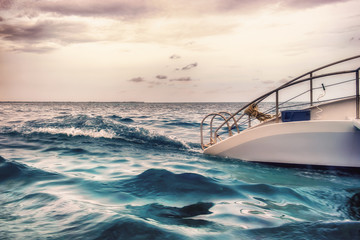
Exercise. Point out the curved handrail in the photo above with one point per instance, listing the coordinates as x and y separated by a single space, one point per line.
292 82
212 141
323 67
231 127
283 87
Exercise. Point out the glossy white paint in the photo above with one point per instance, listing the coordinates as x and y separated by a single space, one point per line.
325 142
336 110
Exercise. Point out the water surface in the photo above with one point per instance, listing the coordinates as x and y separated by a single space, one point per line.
136 171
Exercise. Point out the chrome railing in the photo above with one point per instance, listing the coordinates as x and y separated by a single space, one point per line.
236 121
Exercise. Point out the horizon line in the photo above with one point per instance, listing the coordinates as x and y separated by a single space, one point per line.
21 101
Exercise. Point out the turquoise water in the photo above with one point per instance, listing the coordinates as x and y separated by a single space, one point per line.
136 171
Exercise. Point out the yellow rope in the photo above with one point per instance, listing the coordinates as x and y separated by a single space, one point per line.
253 111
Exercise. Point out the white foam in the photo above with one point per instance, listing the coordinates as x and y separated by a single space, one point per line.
77 132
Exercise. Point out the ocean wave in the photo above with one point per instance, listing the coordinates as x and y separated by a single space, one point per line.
193 210
353 207
130 228
156 182
183 124
144 136
116 132
277 193
72 131
175 215
35 201
10 170
121 119
108 127
332 230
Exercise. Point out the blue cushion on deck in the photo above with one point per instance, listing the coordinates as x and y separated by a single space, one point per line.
295 115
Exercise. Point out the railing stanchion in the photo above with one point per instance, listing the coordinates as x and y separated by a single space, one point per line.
357 94
311 89
277 106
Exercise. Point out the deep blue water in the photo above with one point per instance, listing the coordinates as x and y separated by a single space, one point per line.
136 171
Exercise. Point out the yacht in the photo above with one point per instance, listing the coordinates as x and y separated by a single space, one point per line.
312 119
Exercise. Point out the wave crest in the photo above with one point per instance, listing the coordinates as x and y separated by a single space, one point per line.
155 182
23 173
116 132
95 127
72 131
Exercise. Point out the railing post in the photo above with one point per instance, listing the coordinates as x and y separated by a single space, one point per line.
211 130
277 106
311 89
357 94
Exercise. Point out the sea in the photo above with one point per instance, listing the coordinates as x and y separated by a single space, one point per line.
136 170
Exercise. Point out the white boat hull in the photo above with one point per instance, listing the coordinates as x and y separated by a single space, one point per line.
316 142
326 132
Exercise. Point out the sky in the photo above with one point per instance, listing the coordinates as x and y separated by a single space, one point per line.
167 50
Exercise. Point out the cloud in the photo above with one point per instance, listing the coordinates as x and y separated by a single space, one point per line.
161 77
190 66
79 21
303 4
34 49
174 56
11 32
29 36
182 79
248 6
187 67
109 8
67 22
5 4
137 80
136 9
43 30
